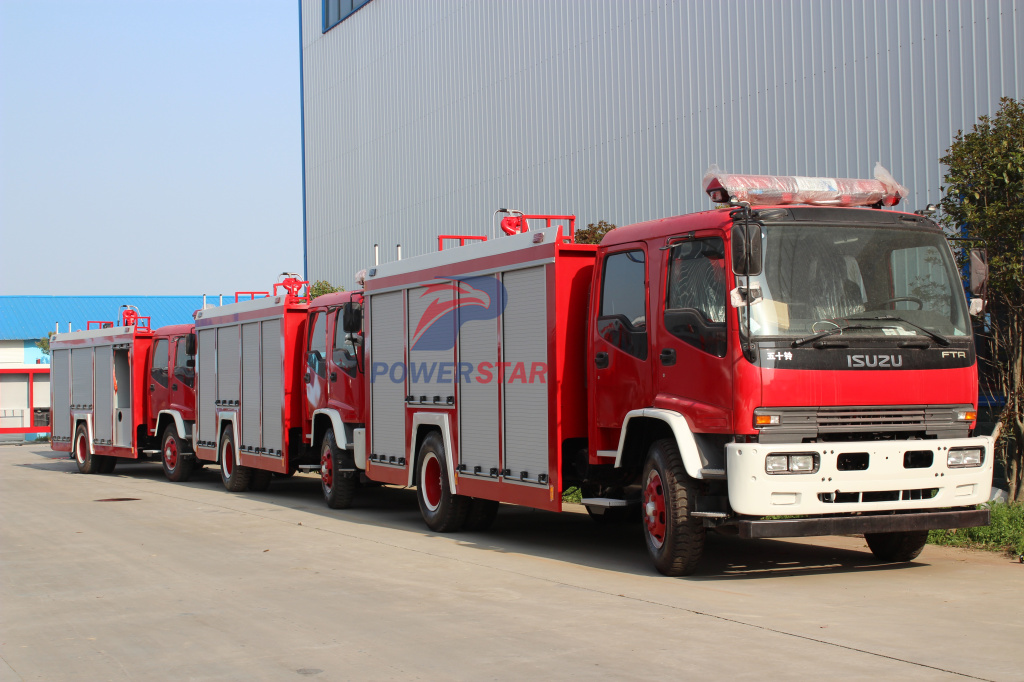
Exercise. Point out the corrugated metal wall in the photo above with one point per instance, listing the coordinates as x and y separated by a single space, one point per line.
422 117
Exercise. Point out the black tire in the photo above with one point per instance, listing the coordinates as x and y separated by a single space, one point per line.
442 511
674 538
234 475
88 463
903 546
481 514
259 480
177 463
107 464
339 488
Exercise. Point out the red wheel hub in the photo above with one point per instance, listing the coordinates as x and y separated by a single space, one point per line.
80 450
171 454
430 480
654 508
327 468
229 458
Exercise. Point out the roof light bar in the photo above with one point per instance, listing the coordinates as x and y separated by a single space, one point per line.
780 190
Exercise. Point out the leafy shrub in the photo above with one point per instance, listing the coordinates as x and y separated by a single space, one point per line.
1004 533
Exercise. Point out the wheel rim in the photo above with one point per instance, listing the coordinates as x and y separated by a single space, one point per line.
80 449
171 454
430 481
654 509
228 459
327 468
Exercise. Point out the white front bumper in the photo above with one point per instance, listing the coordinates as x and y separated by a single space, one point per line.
754 492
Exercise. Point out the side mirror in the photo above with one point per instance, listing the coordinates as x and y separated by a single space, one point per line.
979 280
190 345
979 271
746 249
352 318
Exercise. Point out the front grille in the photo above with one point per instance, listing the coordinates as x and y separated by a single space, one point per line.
805 424
886 418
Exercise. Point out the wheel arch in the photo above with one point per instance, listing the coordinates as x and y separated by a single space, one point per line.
324 419
82 419
640 428
165 417
422 424
223 419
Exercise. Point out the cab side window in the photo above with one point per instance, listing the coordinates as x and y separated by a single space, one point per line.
316 357
159 369
623 316
344 353
184 364
695 305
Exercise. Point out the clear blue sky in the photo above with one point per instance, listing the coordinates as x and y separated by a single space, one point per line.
149 147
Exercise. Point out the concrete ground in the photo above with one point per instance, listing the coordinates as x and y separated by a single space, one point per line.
187 581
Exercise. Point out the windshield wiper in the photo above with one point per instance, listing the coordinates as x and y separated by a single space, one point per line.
893 318
830 332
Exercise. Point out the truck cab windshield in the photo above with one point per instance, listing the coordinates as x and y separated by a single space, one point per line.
817 276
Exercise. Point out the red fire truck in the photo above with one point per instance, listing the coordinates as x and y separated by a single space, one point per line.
124 391
809 358
800 366
250 359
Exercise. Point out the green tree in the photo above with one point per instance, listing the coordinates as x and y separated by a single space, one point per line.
594 232
984 193
44 344
321 287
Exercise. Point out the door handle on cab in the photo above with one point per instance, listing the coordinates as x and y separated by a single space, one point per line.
668 356
152 387
174 387
601 360
334 376
307 377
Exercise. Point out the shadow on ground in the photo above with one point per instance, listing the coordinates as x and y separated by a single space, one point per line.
568 537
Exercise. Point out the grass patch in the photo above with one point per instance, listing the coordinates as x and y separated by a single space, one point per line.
1005 532
572 495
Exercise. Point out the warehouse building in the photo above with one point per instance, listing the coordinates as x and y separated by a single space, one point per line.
422 118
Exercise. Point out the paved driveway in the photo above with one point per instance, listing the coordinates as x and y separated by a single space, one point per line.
187 581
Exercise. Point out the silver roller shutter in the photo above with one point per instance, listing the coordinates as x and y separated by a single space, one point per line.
478 402
60 397
81 377
524 327
432 370
387 397
273 388
206 378
227 363
251 385
103 413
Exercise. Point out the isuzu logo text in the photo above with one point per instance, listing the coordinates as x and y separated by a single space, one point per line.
874 360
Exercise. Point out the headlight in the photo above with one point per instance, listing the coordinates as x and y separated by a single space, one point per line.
801 463
959 458
792 463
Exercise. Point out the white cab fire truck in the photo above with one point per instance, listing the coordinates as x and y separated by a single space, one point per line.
809 357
